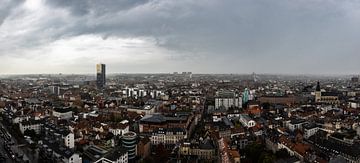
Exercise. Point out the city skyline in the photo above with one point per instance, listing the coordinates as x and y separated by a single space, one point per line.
151 36
133 81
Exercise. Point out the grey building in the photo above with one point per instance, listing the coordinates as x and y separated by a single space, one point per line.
100 75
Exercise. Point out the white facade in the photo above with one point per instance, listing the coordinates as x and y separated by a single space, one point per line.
55 90
69 140
247 121
310 132
233 116
65 115
295 126
134 92
75 158
217 119
354 105
119 131
29 126
357 129
165 137
19 119
156 93
122 159
228 102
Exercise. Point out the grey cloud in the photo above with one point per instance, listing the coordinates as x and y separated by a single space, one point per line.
240 32
83 7
6 7
223 27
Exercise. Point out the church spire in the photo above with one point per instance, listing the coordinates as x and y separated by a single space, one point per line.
318 86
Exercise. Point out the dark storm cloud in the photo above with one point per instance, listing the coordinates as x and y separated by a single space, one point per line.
244 27
237 35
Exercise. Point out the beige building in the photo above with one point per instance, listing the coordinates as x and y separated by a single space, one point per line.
167 136
205 150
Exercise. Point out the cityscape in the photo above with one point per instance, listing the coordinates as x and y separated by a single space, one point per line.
179 81
179 117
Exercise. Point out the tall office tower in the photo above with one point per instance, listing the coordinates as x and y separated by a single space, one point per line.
100 75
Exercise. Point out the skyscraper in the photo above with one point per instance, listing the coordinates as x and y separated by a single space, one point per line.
100 75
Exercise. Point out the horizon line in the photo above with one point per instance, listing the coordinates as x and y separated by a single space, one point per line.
180 73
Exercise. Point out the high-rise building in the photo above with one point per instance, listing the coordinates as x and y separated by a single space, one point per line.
55 90
227 99
100 75
245 95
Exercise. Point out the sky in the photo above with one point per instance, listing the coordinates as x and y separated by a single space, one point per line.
201 36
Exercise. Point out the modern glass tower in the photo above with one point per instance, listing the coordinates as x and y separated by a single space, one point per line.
100 76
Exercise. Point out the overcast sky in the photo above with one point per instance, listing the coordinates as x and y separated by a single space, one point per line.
202 36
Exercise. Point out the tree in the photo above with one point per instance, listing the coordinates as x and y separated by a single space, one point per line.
33 147
282 153
109 136
30 133
266 158
266 106
148 160
253 151
161 153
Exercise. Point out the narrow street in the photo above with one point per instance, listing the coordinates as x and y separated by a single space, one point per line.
18 149
3 152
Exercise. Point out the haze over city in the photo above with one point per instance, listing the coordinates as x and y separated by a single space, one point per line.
235 36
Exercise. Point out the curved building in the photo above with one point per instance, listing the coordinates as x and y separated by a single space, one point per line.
129 142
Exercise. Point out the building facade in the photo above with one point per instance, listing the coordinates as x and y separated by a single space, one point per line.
169 136
129 142
30 125
203 150
100 75
227 99
62 113
246 121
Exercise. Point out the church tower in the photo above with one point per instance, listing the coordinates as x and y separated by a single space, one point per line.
318 92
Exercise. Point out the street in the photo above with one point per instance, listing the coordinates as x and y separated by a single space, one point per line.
17 149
